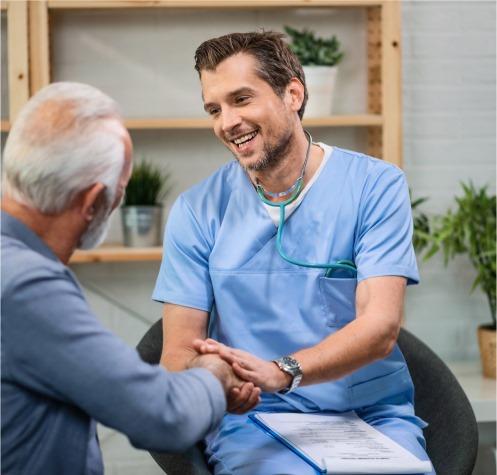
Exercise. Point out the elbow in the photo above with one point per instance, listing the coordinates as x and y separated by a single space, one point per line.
387 342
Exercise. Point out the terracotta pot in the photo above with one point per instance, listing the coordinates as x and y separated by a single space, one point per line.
486 340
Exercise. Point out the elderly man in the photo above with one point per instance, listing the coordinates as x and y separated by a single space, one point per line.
66 164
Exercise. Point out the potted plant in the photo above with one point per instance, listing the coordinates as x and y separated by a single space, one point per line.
141 211
470 230
319 58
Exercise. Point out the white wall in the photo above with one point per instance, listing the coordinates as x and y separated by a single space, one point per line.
449 137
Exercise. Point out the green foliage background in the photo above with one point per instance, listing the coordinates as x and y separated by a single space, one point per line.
470 229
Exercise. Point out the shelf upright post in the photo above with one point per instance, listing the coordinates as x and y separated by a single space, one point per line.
17 37
39 46
391 59
374 134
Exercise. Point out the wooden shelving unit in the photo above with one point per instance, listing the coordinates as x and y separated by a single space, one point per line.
30 69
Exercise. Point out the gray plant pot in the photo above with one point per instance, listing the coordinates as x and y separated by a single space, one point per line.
142 225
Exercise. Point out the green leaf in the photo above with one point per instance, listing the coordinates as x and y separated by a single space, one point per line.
470 229
313 51
148 185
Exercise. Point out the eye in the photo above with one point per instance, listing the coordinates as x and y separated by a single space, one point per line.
214 111
241 99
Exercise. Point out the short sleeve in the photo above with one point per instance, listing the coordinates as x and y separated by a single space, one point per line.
384 229
184 273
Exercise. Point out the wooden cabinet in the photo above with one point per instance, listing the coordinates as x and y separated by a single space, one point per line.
33 64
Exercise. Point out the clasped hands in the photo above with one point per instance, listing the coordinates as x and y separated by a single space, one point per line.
254 374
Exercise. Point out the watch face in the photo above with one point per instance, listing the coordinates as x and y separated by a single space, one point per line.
290 362
290 365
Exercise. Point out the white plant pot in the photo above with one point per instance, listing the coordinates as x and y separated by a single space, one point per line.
320 82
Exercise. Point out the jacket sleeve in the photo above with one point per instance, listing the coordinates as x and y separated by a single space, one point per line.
58 348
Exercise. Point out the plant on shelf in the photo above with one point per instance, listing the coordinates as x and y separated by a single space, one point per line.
141 212
148 185
470 230
319 58
313 51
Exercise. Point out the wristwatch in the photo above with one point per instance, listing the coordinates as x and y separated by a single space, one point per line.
291 366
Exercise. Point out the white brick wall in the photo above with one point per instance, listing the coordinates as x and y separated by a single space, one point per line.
449 136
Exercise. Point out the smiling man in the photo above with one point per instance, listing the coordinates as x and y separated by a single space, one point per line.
290 263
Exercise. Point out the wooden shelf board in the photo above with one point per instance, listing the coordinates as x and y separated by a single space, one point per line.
363 120
117 253
78 4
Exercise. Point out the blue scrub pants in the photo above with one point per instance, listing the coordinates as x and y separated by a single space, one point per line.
239 447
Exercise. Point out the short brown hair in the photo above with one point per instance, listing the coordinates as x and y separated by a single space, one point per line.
276 63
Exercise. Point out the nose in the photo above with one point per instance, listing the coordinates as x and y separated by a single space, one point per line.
230 119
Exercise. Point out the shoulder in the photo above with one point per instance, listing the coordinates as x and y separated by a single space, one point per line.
220 183
23 266
364 163
210 197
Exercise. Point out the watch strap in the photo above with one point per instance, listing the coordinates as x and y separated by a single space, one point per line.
290 365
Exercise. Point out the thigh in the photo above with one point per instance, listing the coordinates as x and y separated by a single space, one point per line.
401 425
241 448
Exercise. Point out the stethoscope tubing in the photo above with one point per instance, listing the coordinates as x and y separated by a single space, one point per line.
339 265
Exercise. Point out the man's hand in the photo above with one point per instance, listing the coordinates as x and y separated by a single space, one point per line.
241 396
263 374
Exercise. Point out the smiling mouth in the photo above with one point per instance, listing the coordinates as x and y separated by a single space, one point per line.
243 141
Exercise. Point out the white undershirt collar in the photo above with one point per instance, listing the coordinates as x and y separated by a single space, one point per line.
274 211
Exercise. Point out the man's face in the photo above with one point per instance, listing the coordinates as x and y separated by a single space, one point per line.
254 123
98 228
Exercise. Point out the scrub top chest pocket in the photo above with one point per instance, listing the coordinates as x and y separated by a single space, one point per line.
338 299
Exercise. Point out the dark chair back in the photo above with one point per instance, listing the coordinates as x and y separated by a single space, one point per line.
452 434
192 462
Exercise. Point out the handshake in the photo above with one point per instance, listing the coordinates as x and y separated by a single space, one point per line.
243 375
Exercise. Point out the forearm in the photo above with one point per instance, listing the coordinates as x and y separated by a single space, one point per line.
181 326
371 336
175 358
359 343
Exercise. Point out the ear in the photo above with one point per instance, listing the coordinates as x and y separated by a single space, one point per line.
91 200
295 94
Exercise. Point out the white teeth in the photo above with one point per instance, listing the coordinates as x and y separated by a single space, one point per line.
245 138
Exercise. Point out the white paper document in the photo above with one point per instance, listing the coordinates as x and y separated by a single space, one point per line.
340 444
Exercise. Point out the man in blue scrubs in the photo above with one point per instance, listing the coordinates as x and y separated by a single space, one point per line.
313 339
66 163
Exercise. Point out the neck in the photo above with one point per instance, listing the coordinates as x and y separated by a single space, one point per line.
278 184
56 230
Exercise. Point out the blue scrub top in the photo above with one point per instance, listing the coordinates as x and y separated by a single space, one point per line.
220 256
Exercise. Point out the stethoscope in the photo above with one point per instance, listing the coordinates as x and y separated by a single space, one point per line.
342 264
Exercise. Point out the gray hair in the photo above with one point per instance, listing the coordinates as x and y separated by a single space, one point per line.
59 145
